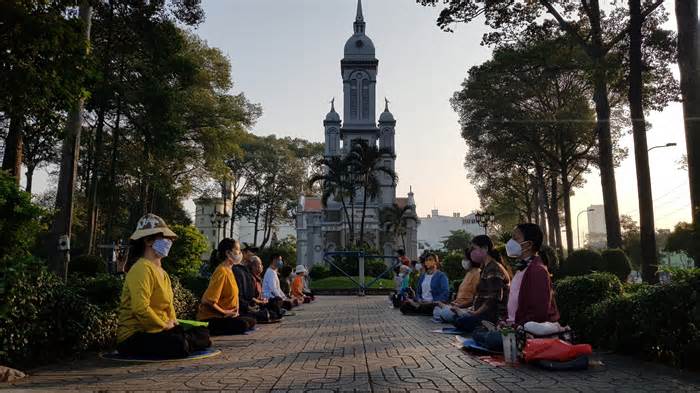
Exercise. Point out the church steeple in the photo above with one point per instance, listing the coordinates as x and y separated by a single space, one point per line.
359 19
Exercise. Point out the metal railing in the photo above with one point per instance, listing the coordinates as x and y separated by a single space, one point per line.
361 257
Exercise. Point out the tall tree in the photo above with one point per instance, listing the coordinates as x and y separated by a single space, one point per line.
689 66
366 164
395 220
336 184
597 35
62 224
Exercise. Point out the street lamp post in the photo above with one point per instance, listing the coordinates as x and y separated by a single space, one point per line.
662 146
484 219
219 219
578 234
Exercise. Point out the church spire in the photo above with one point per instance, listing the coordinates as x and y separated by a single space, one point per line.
359 19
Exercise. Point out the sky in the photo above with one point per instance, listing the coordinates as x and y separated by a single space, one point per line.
285 55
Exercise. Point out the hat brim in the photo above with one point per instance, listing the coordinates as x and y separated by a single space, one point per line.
141 233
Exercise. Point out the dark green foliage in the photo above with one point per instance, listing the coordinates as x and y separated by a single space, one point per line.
43 319
660 322
195 284
575 294
103 290
452 266
615 261
458 240
186 254
20 219
581 262
375 267
87 265
287 249
454 285
185 302
319 272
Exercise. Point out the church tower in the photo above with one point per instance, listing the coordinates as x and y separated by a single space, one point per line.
359 71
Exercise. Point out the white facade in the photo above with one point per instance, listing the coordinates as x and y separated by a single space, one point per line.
435 228
597 233
324 228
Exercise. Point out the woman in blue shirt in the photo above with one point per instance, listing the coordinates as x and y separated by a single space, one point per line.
432 288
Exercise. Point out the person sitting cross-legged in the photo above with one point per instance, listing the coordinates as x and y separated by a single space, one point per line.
220 302
267 310
298 285
491 297
432 288
271 284
147 325
465 294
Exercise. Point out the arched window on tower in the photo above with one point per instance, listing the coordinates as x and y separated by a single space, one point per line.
359 95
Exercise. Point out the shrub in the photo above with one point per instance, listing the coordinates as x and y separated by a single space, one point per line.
184 301
20 219
286 248
375 267
43 319
319 272
454 285
88 265
103 290
615 261
581 262
575 294
452 265
185 257
195 284
550 258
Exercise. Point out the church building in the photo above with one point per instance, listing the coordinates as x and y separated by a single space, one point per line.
321 228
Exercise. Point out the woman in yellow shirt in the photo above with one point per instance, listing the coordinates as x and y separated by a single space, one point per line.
220 303
147 323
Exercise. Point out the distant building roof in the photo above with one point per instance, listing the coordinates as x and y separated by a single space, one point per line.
312 204
402 202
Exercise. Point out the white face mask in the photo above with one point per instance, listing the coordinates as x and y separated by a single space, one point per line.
514 249
418 266
466 264
237 258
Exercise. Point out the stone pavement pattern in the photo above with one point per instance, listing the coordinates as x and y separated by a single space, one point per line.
349 344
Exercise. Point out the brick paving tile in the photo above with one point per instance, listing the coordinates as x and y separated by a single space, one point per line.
348 344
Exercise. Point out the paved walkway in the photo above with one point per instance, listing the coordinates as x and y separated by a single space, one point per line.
349 344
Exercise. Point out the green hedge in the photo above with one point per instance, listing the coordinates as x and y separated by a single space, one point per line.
452 265
87 265
616 262
319 272
581 262
575 294
657 322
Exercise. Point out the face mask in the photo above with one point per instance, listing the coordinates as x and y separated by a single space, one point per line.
466 264
162 247
237 258
418 266
280 263
514 249
477 255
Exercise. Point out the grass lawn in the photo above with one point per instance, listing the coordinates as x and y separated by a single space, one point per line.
343 282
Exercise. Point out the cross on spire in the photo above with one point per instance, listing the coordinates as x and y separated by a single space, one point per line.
359 19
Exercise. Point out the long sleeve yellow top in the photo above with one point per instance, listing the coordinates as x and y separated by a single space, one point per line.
146 302
222 290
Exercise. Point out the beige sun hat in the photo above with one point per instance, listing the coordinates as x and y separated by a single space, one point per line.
150 224
300 269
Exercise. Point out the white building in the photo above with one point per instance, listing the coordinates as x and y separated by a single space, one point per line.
324 228
243 227
597 233
435 228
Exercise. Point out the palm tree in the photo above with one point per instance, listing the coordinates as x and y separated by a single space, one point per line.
395 220
366 165
335 183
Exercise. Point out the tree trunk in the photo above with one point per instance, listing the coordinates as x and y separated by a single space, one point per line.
63 220
689 65
94 184
255 228
641 158
113 198
14 145
566 189
556 222
362 221
541 200
30 178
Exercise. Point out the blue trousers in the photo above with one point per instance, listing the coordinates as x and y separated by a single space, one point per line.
468 323
490 340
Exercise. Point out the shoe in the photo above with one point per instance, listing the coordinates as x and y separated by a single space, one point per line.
437 320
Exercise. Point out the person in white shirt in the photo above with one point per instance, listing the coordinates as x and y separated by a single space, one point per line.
271 284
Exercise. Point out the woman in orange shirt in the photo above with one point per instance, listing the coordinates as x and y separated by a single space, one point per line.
219 304
298 285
